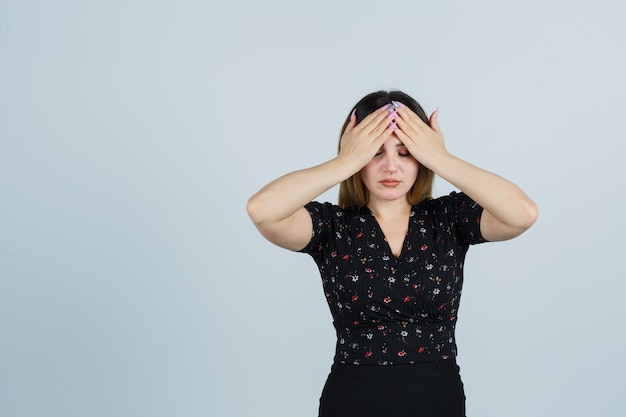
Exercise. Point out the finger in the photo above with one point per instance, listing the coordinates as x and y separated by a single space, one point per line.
385 123
408 141
352 122
434 124
410 116
405 127
404 138
372 120
384 135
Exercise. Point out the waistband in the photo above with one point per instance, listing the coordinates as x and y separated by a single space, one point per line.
444 367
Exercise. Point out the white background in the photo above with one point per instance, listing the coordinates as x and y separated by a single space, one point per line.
132 133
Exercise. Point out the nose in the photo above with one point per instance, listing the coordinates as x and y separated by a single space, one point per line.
391 162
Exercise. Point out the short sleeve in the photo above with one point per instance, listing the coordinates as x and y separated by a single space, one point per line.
321 218
467 217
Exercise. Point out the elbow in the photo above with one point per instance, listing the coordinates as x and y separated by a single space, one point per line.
259 211
521 217
253 208
531 214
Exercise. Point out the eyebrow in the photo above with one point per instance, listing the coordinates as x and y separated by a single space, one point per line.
399 145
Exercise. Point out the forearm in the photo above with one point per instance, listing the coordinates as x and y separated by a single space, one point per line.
505 201
284 196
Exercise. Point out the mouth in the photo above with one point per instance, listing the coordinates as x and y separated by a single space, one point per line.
389 183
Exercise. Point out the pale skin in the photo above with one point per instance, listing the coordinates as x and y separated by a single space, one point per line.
386 147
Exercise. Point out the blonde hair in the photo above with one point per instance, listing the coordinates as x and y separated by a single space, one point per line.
352 191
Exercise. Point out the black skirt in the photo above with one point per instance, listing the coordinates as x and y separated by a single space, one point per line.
430 389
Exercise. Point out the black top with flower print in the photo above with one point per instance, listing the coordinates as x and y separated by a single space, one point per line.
389 310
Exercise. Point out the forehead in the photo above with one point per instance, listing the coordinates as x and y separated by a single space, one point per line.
393 140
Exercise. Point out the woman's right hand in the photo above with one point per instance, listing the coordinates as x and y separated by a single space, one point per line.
359 143
277 210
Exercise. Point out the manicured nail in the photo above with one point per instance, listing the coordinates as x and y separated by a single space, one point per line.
392 114
353 113
394 126
397 104
386 106
437 111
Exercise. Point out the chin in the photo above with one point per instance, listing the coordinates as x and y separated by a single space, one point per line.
392 196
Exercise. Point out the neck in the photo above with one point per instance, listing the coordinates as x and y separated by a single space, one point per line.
389 209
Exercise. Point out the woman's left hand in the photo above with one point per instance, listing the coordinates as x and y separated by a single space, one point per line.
424 142
507 209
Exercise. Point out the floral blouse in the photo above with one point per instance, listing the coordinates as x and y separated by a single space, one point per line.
389 310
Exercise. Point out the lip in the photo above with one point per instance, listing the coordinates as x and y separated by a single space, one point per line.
389 182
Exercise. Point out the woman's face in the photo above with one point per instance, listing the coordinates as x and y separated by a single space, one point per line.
391 173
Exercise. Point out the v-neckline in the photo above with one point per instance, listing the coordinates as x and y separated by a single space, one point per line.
384 237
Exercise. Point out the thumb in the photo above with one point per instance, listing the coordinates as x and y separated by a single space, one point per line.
352 121
434 124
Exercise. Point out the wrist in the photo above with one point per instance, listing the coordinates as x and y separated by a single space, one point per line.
438 162
344 167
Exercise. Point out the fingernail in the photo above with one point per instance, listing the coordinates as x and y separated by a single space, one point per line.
353 113
397 104
393 125
437 110
392 114
386 106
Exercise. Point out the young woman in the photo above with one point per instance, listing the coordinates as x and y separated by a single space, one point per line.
390 256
